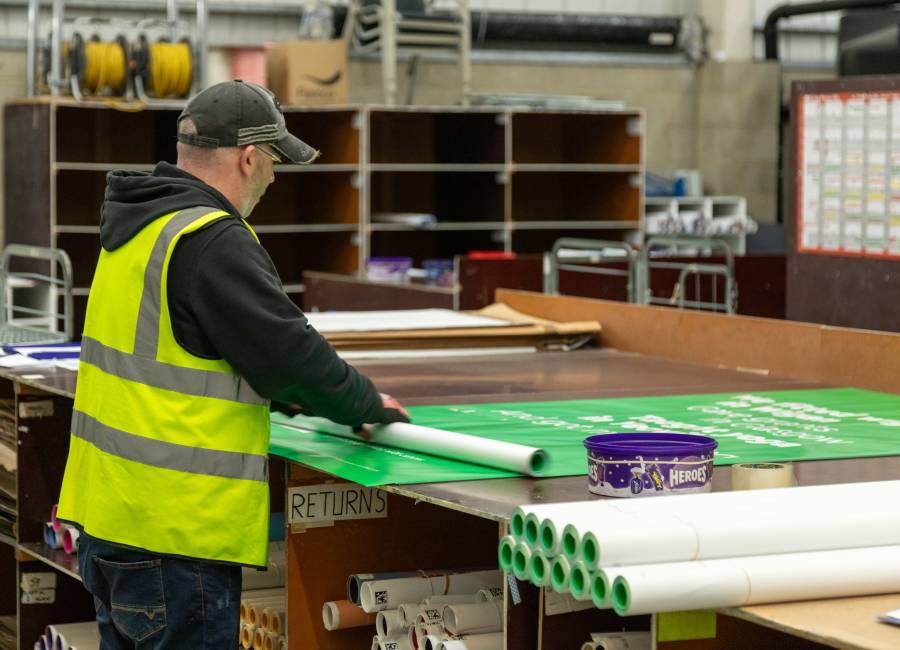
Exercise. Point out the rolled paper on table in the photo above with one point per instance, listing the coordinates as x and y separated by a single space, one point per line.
619 641
479 618
530 461
492 641
271 641
355 581
389 624
389 594
762 476
591 514
693 536
342 614
70 540
51 538
739 581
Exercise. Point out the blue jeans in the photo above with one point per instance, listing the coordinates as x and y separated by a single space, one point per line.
146 601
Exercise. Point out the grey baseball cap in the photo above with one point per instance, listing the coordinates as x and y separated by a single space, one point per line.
237 113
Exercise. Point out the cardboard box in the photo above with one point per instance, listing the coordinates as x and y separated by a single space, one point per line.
308 73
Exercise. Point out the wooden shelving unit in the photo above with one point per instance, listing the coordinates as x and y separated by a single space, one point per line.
491 179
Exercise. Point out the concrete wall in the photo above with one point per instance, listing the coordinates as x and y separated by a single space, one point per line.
720 118
668 94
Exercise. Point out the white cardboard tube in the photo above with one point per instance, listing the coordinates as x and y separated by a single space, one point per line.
389 624
493 641
426 634
342 614
685 537
58 634
378 595
560 571
489 595
408 613
521 560
479 618
450 599
530 461
395 643
734 582
247 631
70 540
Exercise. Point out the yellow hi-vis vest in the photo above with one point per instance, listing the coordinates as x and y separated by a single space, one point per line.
168 451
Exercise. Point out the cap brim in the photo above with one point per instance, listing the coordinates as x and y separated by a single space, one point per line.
294 150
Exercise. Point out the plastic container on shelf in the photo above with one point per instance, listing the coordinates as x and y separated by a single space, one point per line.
388 269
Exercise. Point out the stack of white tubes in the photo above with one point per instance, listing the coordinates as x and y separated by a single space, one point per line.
264 604
724 549
263 619
70 636
460 610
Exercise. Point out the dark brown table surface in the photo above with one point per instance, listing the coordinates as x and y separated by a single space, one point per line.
545 376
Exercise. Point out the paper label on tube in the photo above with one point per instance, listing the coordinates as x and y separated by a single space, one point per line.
311 504
32 582
39 597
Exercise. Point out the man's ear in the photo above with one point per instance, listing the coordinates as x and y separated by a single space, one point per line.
246 161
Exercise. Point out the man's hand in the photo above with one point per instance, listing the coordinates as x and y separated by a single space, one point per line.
395 413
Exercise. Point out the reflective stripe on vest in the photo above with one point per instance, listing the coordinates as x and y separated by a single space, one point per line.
168 456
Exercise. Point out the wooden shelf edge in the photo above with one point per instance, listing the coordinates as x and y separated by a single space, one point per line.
43 553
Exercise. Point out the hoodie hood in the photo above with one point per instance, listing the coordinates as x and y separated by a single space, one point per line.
134 199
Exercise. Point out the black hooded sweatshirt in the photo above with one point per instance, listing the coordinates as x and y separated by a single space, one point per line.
226 300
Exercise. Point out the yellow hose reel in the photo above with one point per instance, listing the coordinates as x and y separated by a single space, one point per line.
98 67
163 69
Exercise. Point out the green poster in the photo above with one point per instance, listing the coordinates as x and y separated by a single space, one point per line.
750 427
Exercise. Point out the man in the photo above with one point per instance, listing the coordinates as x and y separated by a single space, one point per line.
188 337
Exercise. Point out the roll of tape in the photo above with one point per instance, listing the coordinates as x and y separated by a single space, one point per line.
761 476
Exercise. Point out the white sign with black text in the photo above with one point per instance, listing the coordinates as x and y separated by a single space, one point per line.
317 504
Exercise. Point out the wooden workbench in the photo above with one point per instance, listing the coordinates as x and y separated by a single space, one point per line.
457 524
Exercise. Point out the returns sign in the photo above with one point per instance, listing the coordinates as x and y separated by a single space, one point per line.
310 504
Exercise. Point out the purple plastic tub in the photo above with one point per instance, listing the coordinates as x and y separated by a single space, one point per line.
649 464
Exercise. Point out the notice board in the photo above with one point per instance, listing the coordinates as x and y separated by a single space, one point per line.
842 202
848 182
